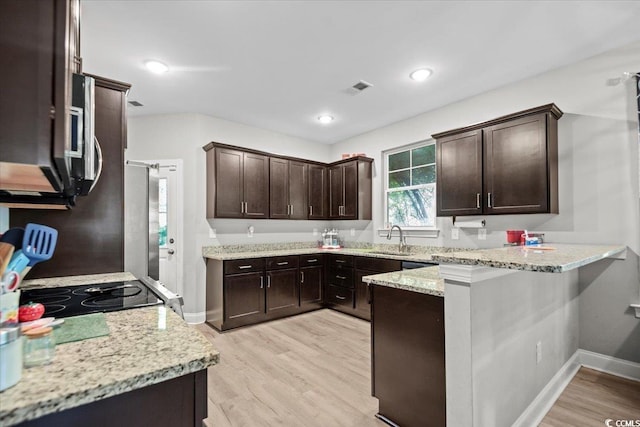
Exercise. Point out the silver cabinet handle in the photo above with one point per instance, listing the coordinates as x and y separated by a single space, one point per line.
313 260
241 207
478 200
288 209
310 210
246 207
340 261
171 252
244 267
302 277
340 297
268 281
341 277
261 282
282 263
291 209
488 199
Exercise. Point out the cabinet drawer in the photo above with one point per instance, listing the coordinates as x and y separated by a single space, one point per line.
278 262
243 265
340 277
312 259
379 265
340 296
340 260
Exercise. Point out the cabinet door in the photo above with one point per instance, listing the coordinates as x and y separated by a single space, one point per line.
459 174
318 197
229 182
336 191
244 300
311 285
516 179
350 190
256 186
362 300
278 188
298 190
282 291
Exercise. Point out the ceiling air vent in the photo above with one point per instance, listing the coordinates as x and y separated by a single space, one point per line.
135 103
358 87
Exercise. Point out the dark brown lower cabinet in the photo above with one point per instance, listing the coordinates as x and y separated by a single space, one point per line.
244 298
311 281
408 364
180 401
282 292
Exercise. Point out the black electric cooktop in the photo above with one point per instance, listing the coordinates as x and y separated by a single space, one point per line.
65 301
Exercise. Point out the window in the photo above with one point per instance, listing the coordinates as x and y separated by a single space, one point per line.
410 185
162 209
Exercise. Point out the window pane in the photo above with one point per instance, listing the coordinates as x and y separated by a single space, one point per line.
162 230
162 194
399 179
399 161
424 155
414 208
424 175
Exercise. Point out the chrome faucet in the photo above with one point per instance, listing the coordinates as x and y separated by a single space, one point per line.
402 245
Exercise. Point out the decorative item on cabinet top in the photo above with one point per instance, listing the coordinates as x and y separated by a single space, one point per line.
247 183
508 165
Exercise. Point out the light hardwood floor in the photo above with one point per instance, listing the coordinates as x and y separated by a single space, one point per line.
593 397
315 370
309 370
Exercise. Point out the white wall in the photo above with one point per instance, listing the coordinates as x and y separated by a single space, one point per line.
598 182
182 136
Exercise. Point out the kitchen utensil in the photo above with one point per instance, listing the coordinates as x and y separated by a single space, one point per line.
19 261
10 281
38 244
99 291
6 252
13 236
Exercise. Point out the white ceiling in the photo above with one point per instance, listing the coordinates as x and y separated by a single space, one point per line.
279 64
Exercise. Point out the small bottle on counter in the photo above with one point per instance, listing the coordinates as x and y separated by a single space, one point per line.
10 357
39 347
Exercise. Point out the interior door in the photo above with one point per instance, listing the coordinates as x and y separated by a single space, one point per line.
170 223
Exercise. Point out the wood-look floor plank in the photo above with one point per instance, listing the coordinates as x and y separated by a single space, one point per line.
309 370
593 397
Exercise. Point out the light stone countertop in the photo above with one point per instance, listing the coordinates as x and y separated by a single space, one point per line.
231 252
422 280
548 258
145 346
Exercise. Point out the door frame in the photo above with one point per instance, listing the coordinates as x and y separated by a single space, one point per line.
179 200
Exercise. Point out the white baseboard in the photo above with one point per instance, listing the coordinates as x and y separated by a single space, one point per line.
535 412
611 365
194 318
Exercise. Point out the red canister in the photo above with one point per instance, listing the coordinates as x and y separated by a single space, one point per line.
513 236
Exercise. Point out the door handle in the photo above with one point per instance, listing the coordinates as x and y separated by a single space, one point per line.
478 200
489 199
311 210
291 209
302 277
268 281
241 207
261 282
171 252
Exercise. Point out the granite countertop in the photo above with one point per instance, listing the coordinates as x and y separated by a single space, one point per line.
231 252
547 258
145 346
422 280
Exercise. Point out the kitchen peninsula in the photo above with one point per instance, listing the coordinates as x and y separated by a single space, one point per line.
150 360
510 322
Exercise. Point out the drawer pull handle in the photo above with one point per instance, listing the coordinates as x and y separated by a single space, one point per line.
283 263
489 200
261 282
268 281
244 267
312 260
302 277
341 277
341 261
341 297
477 200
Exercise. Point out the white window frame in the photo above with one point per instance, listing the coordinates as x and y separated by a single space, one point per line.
385 188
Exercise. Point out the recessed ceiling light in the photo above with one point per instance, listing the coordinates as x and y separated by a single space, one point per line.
325 119
421 75
156 67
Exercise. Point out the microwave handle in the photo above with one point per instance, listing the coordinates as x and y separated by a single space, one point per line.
99 165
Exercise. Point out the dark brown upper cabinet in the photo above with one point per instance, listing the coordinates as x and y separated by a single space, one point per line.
287 189
40 52
239 182
350 189
245 183
318 194
508 165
